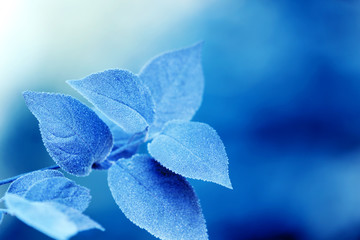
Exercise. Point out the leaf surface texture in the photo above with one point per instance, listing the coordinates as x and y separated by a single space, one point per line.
73 134
152 197
176 82
193 150
121 96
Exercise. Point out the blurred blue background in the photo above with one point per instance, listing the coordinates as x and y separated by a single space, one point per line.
282 90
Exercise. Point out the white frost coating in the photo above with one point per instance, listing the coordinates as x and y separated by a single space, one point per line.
157 200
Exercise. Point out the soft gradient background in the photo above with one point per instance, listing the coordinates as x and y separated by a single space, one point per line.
282 90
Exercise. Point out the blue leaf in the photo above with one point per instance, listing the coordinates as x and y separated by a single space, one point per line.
193 150
176 82
156 199
52 187
73 134
82 221
122 147
121 96
22 184
53 219
61 190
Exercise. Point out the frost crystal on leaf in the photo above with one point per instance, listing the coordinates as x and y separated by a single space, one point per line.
121 96
193 150
176 82
51 185
152 197
73 134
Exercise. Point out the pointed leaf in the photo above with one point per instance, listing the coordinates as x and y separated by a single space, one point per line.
193 150
54 220
22 184
161 202
52 187
61 190
73 134
81 221
176 82
121 96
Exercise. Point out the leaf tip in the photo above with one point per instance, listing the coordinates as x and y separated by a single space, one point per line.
25 93
198 44
73 83
228 184
30 97
196 47
99 227
28 94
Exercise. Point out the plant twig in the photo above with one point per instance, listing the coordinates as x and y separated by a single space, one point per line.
124 147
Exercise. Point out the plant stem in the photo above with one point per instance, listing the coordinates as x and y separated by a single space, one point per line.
10 180
134 143
102 166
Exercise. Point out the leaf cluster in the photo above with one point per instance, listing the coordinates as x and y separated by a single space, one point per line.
154 107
